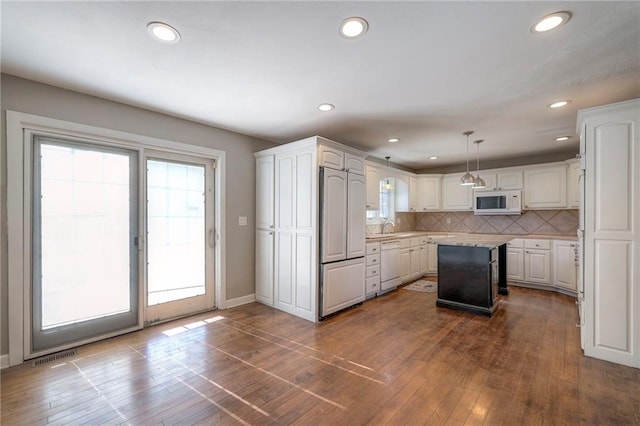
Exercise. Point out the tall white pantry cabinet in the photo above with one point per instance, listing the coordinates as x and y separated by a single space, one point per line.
610 295
287 221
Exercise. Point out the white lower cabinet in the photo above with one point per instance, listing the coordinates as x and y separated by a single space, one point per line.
543 263
433 258
424 260
335 294
565 265
405 260
537 261
515 260
372 271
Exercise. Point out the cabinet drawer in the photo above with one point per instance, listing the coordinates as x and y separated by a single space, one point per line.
372 285
373 260
537 244
405 243
389 245
418 241
372 271
516 243
373 248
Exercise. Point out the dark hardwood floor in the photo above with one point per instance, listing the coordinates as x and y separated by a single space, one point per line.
394 360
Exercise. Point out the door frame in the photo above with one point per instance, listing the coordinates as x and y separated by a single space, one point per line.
20 128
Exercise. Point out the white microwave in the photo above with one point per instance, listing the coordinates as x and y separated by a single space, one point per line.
497 202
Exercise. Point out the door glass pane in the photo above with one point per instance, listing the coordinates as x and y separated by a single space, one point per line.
84 234
176 231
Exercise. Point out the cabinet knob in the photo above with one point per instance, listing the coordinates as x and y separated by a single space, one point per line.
374 260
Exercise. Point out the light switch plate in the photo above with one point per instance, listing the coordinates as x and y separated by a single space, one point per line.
242 221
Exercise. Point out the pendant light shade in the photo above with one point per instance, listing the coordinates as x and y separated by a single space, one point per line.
467 178
387 185
480 183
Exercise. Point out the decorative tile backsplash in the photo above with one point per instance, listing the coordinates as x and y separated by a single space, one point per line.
543 222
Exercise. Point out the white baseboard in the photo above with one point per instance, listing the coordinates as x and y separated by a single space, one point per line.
232 303
4 361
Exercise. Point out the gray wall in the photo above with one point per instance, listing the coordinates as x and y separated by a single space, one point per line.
40 99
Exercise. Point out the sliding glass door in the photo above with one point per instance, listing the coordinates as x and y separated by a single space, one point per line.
85 254
180 235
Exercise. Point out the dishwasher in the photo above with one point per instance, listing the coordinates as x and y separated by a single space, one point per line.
389 265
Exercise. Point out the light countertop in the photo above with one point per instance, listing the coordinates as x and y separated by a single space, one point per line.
447 237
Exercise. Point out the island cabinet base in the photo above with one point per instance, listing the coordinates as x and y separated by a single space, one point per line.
468 277
467 308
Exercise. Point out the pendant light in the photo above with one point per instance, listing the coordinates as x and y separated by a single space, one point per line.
387 185
480 183
467 178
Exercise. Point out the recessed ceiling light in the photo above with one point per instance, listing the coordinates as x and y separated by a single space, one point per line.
326 107
394 140
433 158
563 138
559 104
163 32
353 27
550 22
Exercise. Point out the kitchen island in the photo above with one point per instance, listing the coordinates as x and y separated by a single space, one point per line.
471 273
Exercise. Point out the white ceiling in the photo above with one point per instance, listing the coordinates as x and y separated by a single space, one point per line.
424 72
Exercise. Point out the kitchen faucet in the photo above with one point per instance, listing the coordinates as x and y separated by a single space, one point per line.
384 226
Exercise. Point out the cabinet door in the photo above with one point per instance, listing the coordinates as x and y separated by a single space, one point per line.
356 232
415 263
285 191
343 285
424 260
545 187
509 180
433 258
489 180
414 194
373 187
515 264
537 268
353 164
564 264
573 179
330 157
429 193
264 192
264 266
454 195
405 265
334 215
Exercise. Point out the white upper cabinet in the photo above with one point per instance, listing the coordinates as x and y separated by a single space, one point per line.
545 187
334 223
372 176
353 163
573 183
501 180
330 157
264 192
429 193
509 180
414 193
454 195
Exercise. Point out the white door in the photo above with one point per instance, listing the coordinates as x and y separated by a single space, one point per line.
85 252
342 285
424 259
334 215
356 232
454 195
415 263
180 235
405 265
